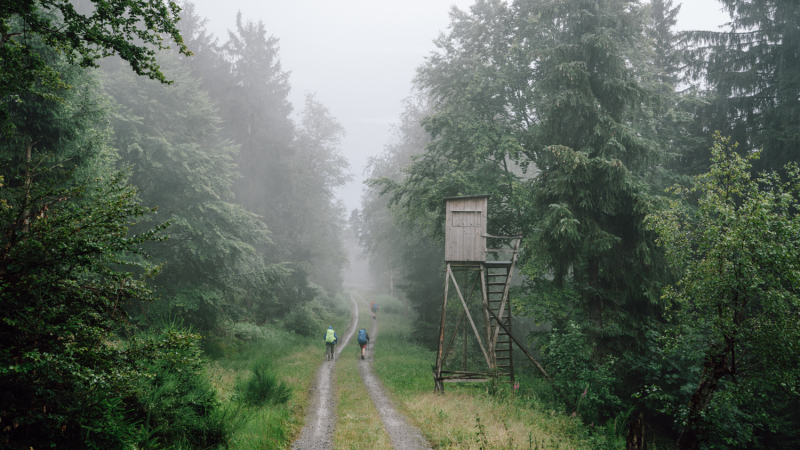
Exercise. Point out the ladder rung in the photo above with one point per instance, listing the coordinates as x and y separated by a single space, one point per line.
496 284
502 366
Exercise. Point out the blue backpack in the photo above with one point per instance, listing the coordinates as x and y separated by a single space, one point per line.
362 336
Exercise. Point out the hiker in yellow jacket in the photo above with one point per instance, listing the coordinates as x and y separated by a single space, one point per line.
330 343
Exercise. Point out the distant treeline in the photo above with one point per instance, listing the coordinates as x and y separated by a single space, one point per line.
575 116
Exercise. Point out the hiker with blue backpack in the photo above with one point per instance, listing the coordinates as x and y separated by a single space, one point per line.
330 343
363 340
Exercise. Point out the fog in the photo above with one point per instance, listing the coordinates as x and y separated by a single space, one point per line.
360 56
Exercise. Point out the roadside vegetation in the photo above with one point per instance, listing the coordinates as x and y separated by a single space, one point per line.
264 379
470 415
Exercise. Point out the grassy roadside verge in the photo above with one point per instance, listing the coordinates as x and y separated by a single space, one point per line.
358 426
293 359
466 417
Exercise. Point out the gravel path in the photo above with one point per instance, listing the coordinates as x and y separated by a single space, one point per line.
317 434
403 435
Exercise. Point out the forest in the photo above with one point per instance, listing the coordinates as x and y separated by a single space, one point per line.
165 208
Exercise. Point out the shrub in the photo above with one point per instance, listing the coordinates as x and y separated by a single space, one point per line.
216 347
589 384
304 321
263 386
389 304
65 279
177 402
249 332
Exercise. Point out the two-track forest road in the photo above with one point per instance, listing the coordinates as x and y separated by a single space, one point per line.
403 435
317 434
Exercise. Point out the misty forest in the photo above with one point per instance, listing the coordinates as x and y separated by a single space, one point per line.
173 247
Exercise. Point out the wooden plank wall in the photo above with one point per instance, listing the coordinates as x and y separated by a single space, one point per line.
465 229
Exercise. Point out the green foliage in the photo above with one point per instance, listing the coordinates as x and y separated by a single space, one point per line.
176 400
737 300
751 71
263 386
66 276
214 268
389 304
286 172
132 29
303 321
588 383
72 129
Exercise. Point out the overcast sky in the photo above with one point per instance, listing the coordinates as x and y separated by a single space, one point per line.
359 56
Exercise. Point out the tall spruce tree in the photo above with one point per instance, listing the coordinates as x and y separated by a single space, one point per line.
171 138
590 195
257 108
752 71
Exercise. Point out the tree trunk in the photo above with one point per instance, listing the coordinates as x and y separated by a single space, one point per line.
596 308
635 439
595 302
714 369
26 214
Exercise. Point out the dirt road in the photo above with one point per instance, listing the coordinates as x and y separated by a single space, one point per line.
317 434
404 436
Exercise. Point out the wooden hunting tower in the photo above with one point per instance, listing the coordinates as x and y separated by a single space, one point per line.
465 229
465 253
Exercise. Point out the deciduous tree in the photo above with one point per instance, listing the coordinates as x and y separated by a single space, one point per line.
738 299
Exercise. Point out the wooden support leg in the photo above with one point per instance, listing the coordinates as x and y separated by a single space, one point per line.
487 321
469 316
438 374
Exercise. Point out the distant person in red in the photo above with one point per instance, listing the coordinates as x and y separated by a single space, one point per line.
374 308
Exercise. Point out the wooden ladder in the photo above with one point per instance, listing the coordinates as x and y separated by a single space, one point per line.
498 276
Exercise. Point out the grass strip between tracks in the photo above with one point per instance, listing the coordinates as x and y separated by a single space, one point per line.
359 426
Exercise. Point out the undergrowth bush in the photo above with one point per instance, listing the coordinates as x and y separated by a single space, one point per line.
249 332
388 304
216 347
588 385
178 403
303 321
263 386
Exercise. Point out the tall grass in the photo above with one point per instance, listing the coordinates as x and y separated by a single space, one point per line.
269 377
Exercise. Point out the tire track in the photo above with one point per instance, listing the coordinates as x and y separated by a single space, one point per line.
317 433
403 435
